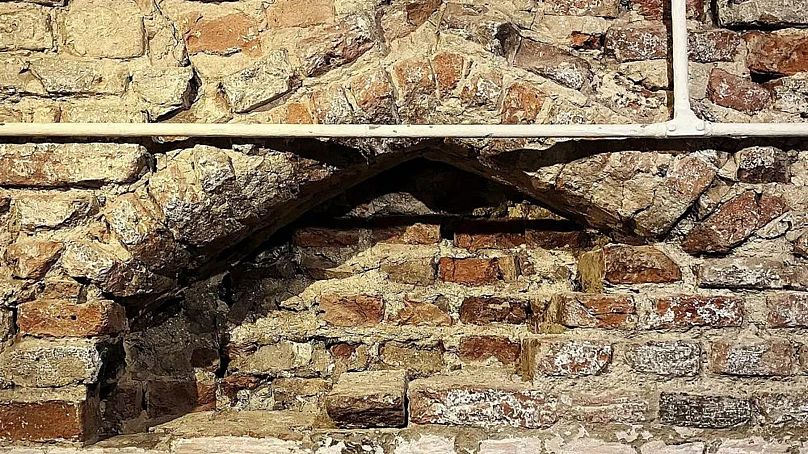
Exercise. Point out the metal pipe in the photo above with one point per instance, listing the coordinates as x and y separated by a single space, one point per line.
685 124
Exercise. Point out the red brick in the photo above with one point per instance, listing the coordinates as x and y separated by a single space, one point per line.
352 311
686 311
419 11
620 264
734 92
482 310
713 45
422 314
637 42
48 420
782 408
565 358
755 357
483 348
60 318
787 310
732 223
522 104
324 237
489 237
477 271
368 399
222 35
170 398
595 311
782 54
472 401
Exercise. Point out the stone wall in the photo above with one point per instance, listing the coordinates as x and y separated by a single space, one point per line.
401 296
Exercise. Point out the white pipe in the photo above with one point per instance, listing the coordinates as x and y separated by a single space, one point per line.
684 124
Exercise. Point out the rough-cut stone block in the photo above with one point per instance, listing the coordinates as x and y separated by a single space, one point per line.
48 414
658 9
777 53
368 399
336 46
222 35
763 165
780 408
605 406
415 88
659 447
602 8
53 165
94 28
449 68
565 358
685 311
591 445
735 92
422 314
165 89
414 271
637 42
619 264
477 271
24 28
753 445
417 361
60 318
48 210
61 76
713 45
752 273
260 84
44 363
709 412
325 237
32 258
733 222
762 12
677 358
484 348
787 310
472 401
288 13
591 310
352 310
553 63
754 357
481 310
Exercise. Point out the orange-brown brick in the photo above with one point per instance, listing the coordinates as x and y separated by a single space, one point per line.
685 311
61 318
621 264
48 418
594 310
492 239
477 271
481 310
483 348
222 35
422 314
352 310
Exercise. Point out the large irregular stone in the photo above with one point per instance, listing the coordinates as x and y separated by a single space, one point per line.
262 83
553 63
368 399
733 223
24 28
165 89
44 363
336 46
762 12
53 165
96 28
735 92
777 53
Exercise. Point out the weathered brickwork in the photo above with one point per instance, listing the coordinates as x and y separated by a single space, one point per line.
420 296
